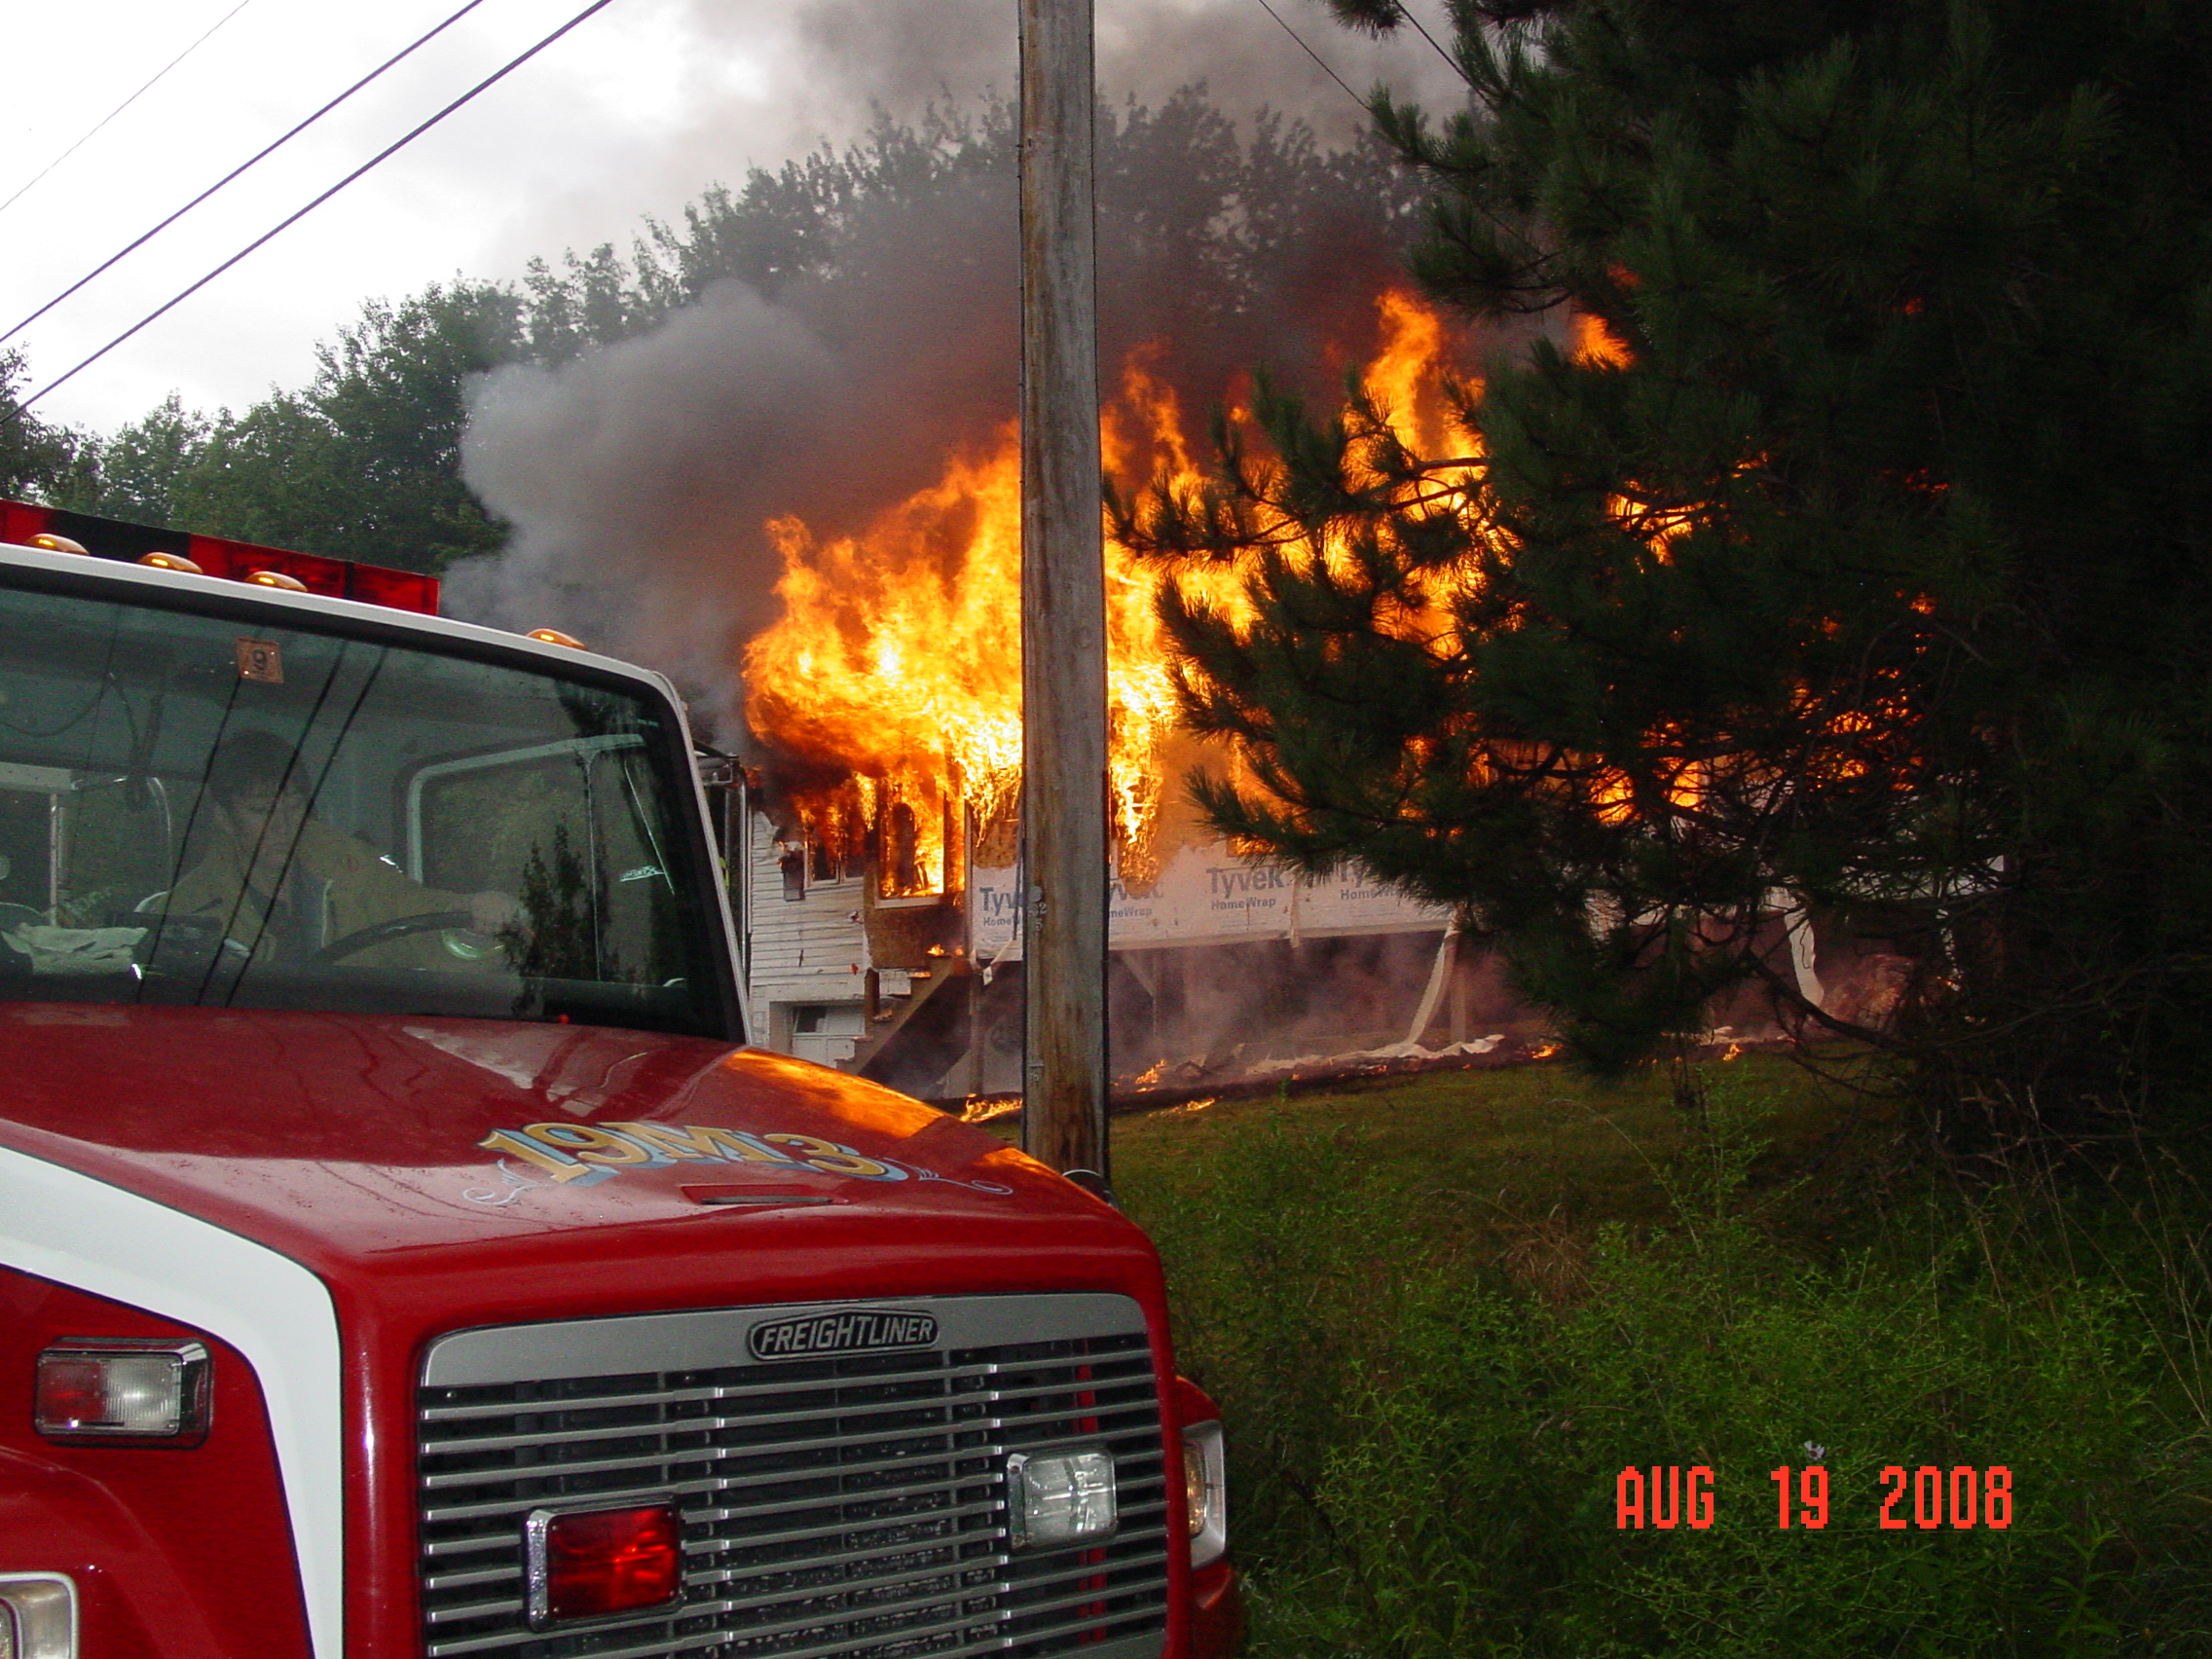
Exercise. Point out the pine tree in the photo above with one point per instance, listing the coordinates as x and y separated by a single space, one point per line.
1842 541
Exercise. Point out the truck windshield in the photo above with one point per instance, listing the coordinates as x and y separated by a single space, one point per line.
202 810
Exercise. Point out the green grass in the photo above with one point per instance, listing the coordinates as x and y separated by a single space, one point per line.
1443 1315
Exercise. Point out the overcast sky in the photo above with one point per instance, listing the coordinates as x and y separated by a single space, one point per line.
632 113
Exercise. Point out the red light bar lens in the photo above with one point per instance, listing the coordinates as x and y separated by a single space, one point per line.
403 590
589 1564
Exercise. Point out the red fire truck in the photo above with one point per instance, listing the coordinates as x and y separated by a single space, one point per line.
402 1253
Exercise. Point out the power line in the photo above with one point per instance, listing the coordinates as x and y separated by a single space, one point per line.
251 161
390 150
1406 16
1315 55
125 104
1457 68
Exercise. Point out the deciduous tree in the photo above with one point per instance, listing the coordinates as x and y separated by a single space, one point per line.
36 459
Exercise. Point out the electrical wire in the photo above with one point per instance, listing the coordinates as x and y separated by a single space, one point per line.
1405 15
1315 55
1420 28
250 162
125 104
390 150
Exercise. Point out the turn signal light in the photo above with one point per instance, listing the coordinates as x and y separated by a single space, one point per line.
53 544
93 1388
171 562
277 580
554 636
586 1564
1206 1491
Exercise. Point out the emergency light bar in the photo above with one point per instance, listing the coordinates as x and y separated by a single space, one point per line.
23 524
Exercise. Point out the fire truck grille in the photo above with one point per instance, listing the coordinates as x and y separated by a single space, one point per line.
843 1504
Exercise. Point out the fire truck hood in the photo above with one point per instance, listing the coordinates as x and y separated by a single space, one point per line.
366 1146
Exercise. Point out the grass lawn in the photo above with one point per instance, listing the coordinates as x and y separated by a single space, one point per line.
1445 1312
1505 1152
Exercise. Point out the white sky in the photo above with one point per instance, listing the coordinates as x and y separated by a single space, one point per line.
632 113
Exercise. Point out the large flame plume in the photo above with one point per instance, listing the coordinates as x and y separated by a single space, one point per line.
895 667
895 664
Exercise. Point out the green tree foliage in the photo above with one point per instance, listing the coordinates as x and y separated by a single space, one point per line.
36 459
390 394
1863 566
1228 243
363 462
141 465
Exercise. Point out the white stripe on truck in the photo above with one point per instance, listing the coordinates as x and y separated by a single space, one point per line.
112 1242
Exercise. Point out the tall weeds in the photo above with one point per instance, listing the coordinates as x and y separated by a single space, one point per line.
1426 1434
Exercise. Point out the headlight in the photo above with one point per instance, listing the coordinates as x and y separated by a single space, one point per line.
1059 1498
38 1616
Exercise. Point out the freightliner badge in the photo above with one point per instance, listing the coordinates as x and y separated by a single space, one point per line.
854 1332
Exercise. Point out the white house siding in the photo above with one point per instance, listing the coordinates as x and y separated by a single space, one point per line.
804 952
809 956
1208 896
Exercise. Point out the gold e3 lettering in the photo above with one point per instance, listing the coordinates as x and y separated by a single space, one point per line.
584 1153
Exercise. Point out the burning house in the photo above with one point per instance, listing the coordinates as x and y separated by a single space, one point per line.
723 496
878 876
862 956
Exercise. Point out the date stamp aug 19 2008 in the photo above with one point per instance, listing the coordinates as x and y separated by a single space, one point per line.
1669 1495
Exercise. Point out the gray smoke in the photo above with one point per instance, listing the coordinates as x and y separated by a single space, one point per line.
639 477
901 54
623 470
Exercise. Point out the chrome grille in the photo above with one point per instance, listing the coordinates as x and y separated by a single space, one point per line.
850 1506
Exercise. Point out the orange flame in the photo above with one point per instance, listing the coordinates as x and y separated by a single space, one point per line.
897 660
1596 343
895 664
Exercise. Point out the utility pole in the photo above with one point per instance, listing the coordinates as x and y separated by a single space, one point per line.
1063 602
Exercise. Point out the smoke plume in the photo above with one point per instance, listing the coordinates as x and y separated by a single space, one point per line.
639 477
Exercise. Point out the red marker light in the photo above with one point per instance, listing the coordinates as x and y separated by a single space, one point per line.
589 1564
72 1391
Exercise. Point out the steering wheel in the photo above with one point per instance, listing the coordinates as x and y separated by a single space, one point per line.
380 933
